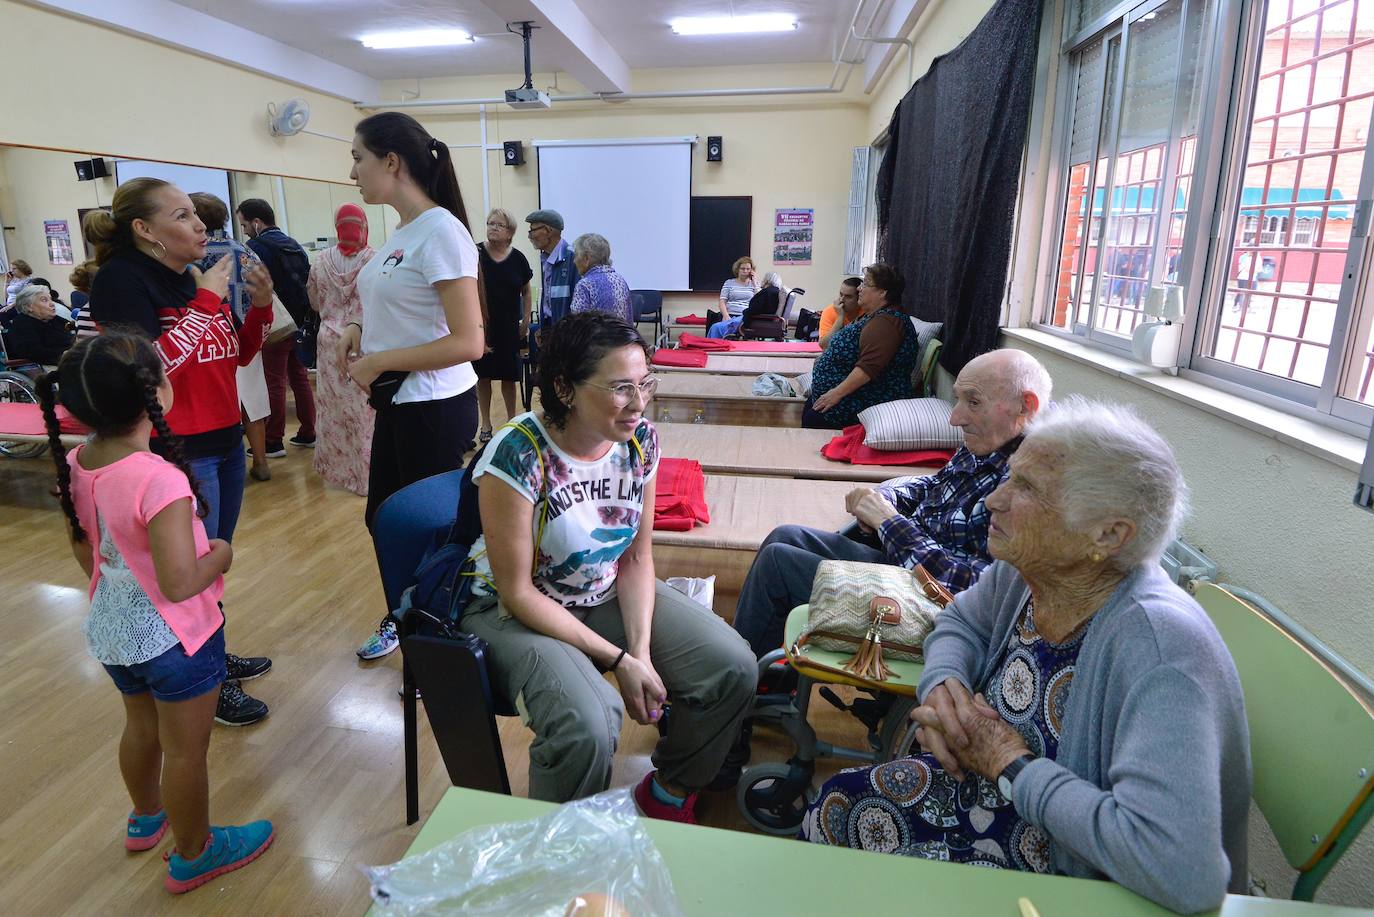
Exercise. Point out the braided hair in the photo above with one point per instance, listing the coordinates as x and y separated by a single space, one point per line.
109 383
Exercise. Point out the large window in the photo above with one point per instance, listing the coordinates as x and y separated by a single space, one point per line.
1275 167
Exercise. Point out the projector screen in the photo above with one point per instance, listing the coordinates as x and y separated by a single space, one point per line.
638 194
188 178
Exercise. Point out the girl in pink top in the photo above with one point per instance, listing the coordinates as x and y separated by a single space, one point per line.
155 622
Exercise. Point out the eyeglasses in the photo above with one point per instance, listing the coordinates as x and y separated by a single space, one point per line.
624 392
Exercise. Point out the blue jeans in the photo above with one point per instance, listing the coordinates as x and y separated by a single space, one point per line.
220 479
721 329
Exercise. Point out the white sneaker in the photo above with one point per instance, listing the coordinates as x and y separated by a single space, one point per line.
382 643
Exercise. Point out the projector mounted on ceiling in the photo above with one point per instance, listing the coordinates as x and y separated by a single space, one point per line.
526 96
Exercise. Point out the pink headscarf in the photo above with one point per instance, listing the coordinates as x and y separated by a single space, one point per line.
351 223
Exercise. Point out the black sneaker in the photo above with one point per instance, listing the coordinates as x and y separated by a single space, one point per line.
245 668
276 450
301 441
236 708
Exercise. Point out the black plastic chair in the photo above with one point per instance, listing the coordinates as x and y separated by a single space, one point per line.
648 306
450 673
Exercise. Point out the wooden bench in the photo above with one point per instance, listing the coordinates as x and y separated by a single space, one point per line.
744 509
720 400
784 452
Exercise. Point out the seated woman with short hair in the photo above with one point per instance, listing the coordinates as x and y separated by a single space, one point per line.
37 332
1080 713
566 588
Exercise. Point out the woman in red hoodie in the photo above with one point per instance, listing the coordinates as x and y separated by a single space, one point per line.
144 247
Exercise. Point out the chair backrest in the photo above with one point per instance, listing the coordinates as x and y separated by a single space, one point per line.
790 306
407 524
1311 739
647 303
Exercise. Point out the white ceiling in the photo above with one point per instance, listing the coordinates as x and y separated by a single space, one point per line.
635 30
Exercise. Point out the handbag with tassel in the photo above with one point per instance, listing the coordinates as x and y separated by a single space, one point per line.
875 610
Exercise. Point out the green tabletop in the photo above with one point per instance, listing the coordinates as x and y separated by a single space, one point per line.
718 872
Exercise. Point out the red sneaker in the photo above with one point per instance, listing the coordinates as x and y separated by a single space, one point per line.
650 807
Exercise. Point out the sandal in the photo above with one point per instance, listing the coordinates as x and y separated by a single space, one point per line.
485 436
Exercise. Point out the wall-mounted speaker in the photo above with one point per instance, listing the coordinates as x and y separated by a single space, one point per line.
88 169
715 149
514 153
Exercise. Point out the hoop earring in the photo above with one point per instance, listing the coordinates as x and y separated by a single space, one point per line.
163 248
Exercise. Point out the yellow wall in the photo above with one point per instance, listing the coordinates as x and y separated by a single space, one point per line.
38 185
94 90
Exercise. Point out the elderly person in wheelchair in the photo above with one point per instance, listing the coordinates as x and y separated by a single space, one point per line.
1078 710
38 333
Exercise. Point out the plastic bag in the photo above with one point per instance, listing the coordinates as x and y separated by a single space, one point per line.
702 590
541 867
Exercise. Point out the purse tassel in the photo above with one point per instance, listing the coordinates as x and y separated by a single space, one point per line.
868 661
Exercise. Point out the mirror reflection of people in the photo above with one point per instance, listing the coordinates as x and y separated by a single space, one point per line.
37 332
1079 713
16 278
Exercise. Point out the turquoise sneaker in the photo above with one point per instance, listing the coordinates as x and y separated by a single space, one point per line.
145 830
382 643
229 848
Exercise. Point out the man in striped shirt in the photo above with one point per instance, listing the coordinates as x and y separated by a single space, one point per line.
937 521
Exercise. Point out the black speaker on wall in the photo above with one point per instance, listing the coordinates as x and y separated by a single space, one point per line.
514 153
88 169
714 149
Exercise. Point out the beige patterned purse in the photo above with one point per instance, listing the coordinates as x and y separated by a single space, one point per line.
873 610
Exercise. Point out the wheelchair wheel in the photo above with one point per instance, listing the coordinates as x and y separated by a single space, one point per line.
773 797
17 388
892 734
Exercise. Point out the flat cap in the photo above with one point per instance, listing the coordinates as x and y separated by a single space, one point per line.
547 217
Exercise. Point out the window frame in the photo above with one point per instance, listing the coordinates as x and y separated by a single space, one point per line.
1227 80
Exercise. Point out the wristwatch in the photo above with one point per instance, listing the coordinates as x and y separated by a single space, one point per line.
1008 775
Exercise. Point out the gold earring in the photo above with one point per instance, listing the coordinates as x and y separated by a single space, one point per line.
1096 557
163 250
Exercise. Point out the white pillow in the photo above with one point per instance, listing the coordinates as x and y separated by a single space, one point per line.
925 331
804 385
910 424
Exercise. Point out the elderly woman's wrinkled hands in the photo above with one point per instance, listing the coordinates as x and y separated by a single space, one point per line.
825 402
869 507
964 732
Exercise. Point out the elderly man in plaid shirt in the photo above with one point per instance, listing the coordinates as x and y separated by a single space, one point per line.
938 521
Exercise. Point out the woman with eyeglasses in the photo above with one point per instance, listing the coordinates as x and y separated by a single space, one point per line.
566 591
506 275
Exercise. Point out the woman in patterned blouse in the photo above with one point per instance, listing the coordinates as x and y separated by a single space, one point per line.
1079 712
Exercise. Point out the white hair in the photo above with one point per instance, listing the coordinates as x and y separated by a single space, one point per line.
28 294
1016 372
1113 464
594 248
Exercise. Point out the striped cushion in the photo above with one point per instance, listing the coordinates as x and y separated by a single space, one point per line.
925 332
914 423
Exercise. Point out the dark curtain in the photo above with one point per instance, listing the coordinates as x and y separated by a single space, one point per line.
947 187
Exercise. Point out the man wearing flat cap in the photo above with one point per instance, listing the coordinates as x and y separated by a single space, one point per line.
556 263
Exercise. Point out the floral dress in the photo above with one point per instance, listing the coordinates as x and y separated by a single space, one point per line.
914 807
344 420
841 355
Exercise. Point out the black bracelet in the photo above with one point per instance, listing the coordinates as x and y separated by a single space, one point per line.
615 665
355 324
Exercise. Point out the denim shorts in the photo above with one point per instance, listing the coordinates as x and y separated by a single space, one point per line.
174 676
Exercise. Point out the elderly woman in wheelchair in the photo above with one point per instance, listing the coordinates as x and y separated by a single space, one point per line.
1078 711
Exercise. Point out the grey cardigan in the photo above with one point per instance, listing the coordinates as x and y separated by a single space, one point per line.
1151 787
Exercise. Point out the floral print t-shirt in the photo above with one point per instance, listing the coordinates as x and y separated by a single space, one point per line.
593 508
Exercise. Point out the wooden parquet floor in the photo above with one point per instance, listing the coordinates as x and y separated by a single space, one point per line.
325 766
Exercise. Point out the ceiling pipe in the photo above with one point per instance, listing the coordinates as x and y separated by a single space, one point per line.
828 89
878 40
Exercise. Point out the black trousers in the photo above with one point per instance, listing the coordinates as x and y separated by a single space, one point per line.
418 439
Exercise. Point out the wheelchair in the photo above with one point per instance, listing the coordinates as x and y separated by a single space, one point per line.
18 385
774 796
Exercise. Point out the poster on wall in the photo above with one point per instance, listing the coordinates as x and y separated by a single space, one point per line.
59 241
792 236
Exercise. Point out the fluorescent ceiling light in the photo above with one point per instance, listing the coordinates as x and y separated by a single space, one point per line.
735 25
420 38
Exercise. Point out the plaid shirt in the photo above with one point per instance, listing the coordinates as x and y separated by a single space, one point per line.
941 522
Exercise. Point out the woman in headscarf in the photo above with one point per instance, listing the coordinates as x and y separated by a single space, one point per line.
344 420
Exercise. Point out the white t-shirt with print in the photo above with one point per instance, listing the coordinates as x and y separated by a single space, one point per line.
401 308
594 508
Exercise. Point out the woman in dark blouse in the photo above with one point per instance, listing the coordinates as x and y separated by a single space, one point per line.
37 333
506 280
867 362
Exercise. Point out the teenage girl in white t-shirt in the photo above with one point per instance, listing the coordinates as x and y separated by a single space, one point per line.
422 317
